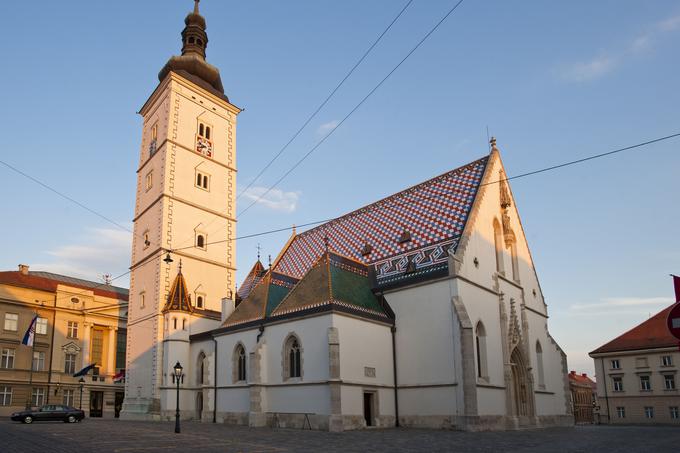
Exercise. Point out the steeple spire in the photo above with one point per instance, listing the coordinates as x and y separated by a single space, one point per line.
192 60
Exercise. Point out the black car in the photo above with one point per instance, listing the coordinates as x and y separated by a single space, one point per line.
50 412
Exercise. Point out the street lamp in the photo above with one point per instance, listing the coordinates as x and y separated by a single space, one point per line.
178 375
82 383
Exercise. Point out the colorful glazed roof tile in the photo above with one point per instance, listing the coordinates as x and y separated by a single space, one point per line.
334 281
251 280
652 333
266 294
179 299
415 227
48 281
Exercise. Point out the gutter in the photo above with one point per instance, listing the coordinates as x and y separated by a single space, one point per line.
606 397
215 383
393 329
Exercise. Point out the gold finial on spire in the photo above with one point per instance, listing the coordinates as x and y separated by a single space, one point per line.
493 144
196 2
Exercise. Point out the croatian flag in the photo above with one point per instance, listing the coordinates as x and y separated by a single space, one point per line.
30 333
85 370
119 377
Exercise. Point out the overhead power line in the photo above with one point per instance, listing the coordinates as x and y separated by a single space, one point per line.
325 101
356 107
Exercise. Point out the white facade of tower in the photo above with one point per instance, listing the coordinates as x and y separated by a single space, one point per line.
185 204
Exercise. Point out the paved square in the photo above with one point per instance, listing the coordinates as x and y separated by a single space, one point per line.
102 436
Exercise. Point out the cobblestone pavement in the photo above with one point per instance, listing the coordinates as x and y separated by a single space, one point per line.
124 436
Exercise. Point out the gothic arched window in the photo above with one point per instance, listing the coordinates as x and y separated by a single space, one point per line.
292 358
498 244
539 365
240 363
480 349
200 377
200 241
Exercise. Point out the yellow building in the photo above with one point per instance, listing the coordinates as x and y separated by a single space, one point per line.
79 323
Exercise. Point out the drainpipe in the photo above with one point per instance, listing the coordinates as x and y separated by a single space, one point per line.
215 382
393 329
257 340
606 397
49 371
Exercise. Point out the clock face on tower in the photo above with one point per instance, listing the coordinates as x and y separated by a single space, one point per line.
204 146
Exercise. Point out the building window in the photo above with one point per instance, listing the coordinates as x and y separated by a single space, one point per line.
204 130
649 412
203 140
149 180
11 321
666 360
154 139
292 358
621 412
121 347
240 363
38 360
6 396
72 329
200 300
184 324
498 244
202 180
70 364
644 383
539 365
142 300
515 261
616 365
201 242
41 326
147 242
669 381
675 414
97 347
38 397
618 384
174 323
69 398
7 359
480 348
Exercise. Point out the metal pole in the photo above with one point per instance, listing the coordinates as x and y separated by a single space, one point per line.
177 411
81 397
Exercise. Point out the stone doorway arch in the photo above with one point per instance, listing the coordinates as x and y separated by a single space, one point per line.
521 385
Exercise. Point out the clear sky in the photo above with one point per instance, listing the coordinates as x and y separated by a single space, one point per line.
554 81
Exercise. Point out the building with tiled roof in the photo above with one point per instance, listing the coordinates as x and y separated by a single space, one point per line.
80 322
421 309
583 397
637 374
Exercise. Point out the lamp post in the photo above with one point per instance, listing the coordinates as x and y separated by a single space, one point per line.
178 375
82 383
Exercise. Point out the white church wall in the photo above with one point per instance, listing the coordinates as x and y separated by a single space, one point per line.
233 397
425 348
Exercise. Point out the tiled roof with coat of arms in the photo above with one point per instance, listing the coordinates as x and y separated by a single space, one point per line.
414 228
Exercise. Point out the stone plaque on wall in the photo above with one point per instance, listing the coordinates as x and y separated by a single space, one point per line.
369 371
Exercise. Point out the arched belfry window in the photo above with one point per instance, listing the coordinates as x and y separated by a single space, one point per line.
239 363
480 351
539 365
498 244
292 358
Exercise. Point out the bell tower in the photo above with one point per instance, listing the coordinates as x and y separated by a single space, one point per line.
184 210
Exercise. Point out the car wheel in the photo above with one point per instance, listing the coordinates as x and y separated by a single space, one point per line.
71 419
28 419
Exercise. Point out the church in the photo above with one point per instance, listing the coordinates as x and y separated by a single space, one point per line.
422 309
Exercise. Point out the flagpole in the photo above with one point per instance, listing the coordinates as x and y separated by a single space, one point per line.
30 375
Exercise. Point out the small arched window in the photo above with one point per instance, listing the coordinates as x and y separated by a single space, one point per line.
200 378
240 363
539 365
199 42
199 301
174 323
480 349
191 40
200 241
292 358
207 132
184 324
201 130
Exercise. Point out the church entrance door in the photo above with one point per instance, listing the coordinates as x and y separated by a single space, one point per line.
199 405
520 384
368 408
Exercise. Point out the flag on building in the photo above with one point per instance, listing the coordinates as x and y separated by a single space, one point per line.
29 336
85 370
676 284
119 376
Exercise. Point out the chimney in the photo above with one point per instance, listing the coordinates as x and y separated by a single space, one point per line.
228 305
23 268
584 374
573 373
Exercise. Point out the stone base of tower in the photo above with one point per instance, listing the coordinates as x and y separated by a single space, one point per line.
141 409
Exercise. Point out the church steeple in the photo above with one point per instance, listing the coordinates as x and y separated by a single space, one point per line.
192 61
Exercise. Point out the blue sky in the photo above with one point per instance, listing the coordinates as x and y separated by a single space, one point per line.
554 81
